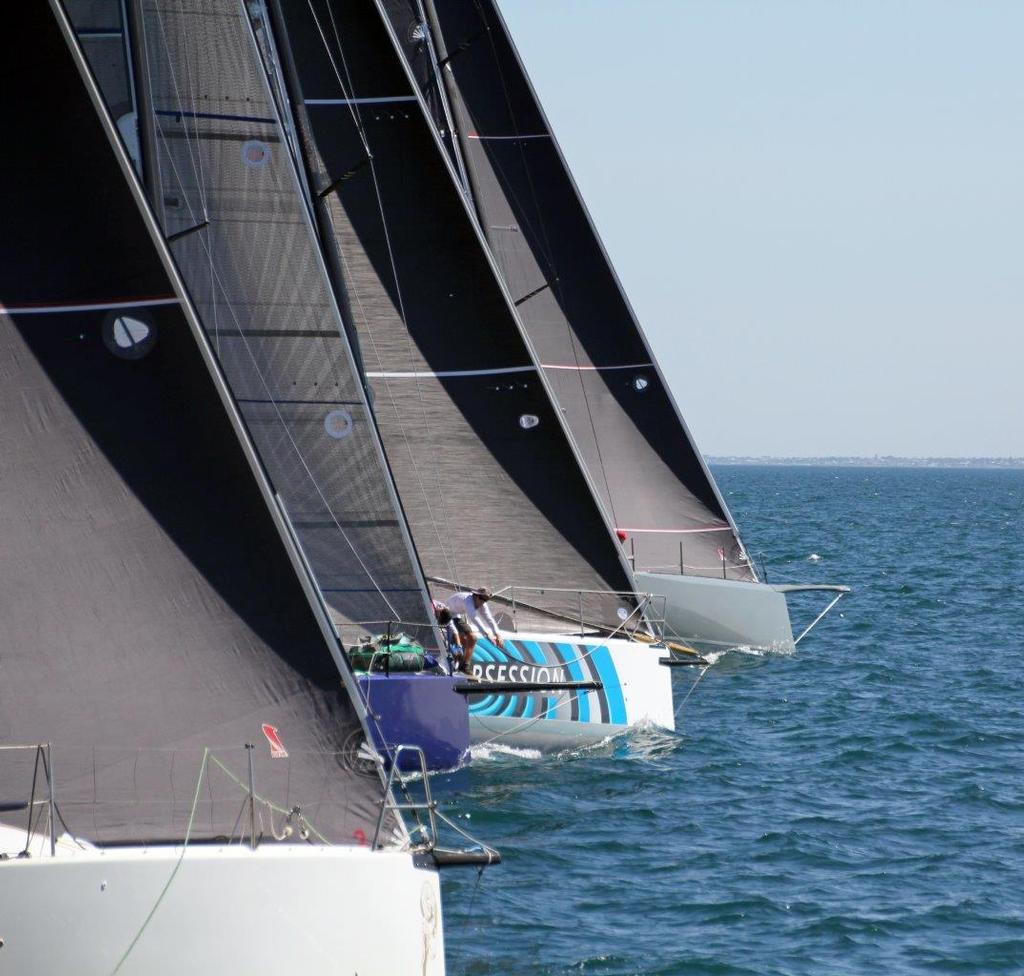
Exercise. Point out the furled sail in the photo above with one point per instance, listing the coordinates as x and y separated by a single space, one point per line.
647 471
149 607
486 473
232 207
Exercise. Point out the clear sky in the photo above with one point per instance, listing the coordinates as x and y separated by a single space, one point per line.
816 208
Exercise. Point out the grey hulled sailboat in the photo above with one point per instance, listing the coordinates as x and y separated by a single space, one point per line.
644 466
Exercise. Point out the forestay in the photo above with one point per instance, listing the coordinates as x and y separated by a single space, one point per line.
646 469
486 474
150 609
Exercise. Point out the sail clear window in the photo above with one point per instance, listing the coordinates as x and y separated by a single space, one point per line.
255 153
129 336
338 424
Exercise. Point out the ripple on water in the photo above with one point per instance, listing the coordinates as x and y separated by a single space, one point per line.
854 808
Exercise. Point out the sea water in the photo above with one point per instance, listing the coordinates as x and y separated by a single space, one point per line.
855 807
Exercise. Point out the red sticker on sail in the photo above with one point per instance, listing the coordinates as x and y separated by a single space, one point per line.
277 749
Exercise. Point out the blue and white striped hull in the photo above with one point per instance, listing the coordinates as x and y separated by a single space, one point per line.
635 689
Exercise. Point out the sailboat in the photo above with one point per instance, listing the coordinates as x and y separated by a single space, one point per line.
484 466
394 397
656 491
175 711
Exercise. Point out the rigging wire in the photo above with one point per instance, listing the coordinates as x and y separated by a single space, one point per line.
219 283
349 94
196 165
693 687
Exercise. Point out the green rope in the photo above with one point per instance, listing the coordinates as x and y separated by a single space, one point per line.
184 846
272 806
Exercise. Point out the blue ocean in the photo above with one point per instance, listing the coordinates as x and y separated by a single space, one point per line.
854 807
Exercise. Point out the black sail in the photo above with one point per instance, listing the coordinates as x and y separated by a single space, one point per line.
148 606
487 476
642 460
233 209
102 31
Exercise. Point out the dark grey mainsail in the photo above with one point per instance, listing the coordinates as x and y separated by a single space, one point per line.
231 202
149 605
487 476
642 460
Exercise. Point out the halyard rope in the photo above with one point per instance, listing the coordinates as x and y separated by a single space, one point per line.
177 865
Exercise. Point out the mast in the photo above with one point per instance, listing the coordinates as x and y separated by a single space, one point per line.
138 68
471 207
273 27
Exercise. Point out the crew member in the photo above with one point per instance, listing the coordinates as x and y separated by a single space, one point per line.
472 618
452 637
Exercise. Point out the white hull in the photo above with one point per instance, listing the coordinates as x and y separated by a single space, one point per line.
284 908
714 614
636 689
553 736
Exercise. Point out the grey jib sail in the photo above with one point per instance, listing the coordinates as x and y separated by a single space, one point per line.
644 464
232 208
148 607
487 477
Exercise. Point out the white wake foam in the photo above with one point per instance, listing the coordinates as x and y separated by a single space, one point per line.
490 751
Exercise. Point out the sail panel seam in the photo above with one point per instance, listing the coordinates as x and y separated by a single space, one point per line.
497 371
443 374
598 369
378 100
529 135
86 306
707 528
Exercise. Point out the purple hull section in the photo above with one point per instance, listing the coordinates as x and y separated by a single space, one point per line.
418 710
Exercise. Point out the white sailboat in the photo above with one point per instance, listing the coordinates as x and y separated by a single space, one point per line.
177 791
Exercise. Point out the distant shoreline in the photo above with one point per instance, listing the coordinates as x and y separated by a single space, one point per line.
870 462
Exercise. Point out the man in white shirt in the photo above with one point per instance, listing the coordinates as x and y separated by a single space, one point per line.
473 617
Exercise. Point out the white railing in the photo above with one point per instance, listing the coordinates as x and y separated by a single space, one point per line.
41 795
231 796
647 613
